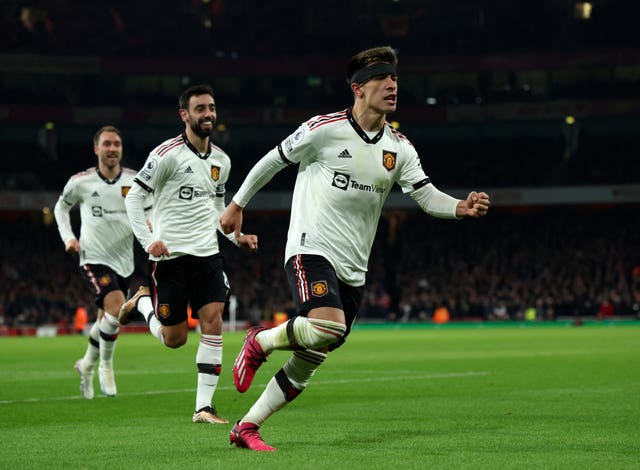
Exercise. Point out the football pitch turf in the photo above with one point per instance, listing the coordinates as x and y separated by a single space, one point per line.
514 397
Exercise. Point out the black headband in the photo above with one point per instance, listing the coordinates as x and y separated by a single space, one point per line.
367 73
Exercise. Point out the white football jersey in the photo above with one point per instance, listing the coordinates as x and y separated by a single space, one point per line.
105 233
188 189
343 180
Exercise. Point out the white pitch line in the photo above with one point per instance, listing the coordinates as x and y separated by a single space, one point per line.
445 375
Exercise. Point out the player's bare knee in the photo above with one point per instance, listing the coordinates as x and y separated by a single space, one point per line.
175 342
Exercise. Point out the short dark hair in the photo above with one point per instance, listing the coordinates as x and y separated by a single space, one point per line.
96 137
195 90
371 56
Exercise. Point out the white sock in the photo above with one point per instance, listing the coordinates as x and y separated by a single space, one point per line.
273 338
93 347
302 365
155 327
144 305
308 333
285 386
109 328
271 400
209 362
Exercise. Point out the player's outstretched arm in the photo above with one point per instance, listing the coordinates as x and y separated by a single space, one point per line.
476 205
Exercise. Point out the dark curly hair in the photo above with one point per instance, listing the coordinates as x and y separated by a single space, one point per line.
195 90
371 56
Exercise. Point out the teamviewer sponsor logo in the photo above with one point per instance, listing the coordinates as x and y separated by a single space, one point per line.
186 192
370 188
96 211
340 181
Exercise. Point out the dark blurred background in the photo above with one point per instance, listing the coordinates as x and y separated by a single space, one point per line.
537 103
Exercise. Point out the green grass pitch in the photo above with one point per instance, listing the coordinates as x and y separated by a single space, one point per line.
478 397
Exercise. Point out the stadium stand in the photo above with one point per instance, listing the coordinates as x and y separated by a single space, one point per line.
564 262
488 101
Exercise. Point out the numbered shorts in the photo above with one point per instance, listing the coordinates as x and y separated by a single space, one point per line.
101 280
187 280
313 283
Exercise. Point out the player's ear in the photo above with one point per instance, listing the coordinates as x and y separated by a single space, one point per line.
355 88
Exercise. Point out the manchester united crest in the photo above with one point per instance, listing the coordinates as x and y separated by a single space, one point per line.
319 288
389 159
105 280
124 190
215 172
164 311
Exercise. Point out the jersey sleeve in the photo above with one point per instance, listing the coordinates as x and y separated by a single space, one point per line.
225 171
134 203
414 181
219 201
153 171
299 145
411 175
219 206
148 178
294 149
66 201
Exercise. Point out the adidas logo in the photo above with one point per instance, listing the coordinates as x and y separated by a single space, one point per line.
95 194
188 170
344 154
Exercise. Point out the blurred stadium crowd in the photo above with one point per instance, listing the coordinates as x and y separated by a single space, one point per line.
494 95
566 263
